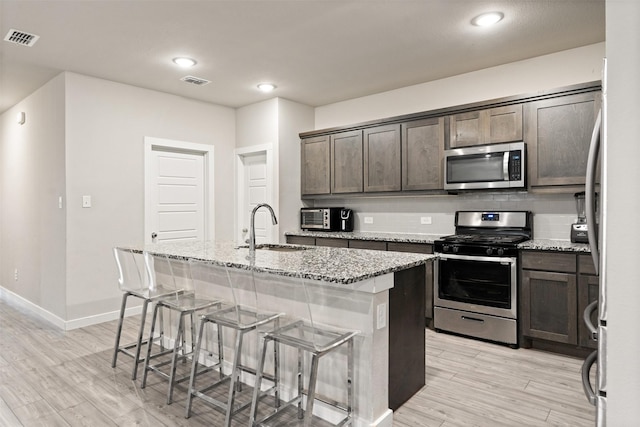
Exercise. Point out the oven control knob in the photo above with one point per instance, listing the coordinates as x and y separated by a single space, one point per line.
500 251
489 251
455 249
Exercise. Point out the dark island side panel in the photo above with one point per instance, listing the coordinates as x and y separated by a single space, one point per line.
406 335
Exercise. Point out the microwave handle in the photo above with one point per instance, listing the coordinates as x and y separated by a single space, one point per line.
505 166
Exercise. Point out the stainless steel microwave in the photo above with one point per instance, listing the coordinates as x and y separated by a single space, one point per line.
485 167
323 219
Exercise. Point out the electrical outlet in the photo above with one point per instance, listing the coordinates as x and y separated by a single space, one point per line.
368 220
382 316
15 274
425 220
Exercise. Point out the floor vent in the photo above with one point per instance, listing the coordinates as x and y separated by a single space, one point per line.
21 38
195 80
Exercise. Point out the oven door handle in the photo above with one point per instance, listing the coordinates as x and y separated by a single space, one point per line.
501 260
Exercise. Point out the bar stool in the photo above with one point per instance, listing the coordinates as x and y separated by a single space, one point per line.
133 281
184 301
242 316
306 335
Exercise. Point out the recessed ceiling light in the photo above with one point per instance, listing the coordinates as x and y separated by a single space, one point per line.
266 87
487 19
184 62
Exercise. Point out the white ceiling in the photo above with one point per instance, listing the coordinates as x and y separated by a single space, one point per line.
316 51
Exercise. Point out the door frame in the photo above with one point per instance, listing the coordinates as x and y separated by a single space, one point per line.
175 146
272 186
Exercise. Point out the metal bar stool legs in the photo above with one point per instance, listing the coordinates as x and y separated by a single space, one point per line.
279 338
230 406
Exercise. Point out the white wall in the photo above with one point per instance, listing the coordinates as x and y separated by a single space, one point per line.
106 124
293 118
579 65
622 204
33 229
278 122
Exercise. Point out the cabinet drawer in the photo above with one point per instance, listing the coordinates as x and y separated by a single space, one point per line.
301 240
418 248
585 265
368 244
549 261
334 243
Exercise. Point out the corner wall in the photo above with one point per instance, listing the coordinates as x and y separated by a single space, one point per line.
32 178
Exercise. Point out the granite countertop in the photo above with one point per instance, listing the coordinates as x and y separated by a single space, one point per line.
334 265
359 235
533 245
554 245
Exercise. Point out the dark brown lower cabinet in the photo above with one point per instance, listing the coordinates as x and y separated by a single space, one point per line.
406 335
549 306
555 289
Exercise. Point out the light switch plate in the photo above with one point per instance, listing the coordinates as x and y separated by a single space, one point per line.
86 201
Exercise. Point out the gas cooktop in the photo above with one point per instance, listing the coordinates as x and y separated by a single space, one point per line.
485 239
495 233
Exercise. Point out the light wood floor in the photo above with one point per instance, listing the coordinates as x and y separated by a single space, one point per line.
53 378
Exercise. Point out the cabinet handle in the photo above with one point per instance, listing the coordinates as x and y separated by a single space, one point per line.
472 319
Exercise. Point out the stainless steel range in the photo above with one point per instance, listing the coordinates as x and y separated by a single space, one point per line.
476 276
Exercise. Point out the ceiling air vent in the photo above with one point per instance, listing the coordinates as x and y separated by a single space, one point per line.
21 38
195 80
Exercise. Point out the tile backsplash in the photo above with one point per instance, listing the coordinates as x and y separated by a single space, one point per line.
553 214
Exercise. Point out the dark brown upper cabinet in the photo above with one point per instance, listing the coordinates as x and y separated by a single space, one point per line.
346 162
382 158
558 133
315 165
422 153
489 126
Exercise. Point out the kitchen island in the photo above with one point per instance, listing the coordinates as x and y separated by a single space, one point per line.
381 295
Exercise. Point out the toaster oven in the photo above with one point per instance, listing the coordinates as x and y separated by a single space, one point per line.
320 219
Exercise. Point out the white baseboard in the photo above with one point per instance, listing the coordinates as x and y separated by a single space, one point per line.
66 325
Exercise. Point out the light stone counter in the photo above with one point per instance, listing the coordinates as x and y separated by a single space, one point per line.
359 235
356 283
554 245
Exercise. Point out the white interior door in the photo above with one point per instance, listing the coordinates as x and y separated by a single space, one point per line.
255 192
176 192
255 185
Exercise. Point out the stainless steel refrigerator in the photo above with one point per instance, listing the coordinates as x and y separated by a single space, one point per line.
596 227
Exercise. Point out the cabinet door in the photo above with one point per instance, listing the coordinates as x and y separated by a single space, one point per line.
332 242
558 133
587 293
490 126
301 240
549 305
315 171
503 124
382 158
422 154
346 162
466 129
368 244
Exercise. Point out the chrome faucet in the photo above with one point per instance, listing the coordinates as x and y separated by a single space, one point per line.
252 231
